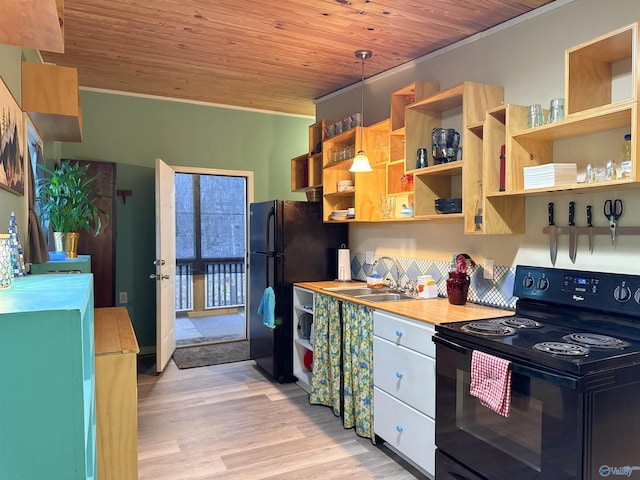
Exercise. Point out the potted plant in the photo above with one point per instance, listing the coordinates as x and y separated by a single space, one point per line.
67 201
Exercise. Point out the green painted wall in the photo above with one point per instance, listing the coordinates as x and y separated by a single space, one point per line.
134 131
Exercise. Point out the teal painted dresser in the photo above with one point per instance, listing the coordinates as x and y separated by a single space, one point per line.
47 378
80 264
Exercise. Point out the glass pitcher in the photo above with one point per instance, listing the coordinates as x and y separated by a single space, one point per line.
446 142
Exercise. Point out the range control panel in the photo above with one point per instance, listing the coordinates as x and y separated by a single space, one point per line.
610 292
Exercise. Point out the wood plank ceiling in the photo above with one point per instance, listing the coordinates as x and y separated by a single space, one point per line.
276 56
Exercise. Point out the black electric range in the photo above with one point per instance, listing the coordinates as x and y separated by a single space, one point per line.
572 321
573 348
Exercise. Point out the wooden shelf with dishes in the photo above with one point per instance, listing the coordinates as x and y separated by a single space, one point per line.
499 215
400 100
462 107
306 169
602 90
400 184
338 154
415 111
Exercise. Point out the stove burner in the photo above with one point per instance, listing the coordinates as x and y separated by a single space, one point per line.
595 340
488 328
521 322
559 348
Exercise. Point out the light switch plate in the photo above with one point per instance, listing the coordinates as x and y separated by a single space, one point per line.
487 269
368 257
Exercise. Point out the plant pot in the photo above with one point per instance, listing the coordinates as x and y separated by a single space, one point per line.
66 242
457 288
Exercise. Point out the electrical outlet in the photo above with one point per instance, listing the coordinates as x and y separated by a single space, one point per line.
123 298
369 257
487 269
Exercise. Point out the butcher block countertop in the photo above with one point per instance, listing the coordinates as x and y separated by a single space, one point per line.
430 310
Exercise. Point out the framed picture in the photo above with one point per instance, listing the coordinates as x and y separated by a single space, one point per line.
12 148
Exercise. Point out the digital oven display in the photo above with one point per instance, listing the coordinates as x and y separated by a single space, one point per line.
575 284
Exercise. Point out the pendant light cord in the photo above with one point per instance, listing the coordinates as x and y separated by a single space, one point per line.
362 55
360 161
362 99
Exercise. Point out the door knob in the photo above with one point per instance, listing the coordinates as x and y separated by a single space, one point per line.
159 277
158 262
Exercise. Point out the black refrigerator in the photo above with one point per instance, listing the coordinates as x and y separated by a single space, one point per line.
288 243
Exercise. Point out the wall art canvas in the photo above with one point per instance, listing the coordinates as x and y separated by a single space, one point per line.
11 143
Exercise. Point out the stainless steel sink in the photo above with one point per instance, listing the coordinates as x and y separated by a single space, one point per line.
357 291
372 294
386 297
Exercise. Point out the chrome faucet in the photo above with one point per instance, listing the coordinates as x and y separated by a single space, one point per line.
396 285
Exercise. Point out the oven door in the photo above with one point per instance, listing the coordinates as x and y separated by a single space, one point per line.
540 439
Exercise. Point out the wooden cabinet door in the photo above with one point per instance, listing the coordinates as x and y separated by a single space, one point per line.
102 248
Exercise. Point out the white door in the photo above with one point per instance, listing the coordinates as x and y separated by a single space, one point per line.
165 276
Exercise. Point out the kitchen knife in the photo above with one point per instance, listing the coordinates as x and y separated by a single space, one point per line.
590 226
553 236
573 232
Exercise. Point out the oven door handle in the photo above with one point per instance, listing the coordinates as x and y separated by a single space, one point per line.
559 380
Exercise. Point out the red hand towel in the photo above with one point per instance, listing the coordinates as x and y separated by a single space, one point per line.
491 382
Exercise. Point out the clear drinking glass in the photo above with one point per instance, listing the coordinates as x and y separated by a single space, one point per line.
387 206
556 110
536 116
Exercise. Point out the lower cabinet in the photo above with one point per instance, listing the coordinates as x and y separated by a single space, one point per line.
303 316
409 431
47 405
342 361
116 394
404 387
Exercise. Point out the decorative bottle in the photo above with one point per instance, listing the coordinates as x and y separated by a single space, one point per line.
477 214
625 165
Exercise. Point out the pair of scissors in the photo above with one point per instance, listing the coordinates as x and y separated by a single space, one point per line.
613 211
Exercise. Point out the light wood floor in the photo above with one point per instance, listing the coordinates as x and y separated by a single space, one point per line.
230 422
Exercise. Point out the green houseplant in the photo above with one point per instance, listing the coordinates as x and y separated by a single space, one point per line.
67 201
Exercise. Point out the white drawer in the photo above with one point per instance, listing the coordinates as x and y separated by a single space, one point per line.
406 429
403 331
405 374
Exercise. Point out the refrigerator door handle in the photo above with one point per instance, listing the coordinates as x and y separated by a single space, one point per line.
270 216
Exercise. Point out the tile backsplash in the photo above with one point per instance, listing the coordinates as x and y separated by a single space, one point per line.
497 292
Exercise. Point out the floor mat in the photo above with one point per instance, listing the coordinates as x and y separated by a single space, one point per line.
205 355
209 329
200 340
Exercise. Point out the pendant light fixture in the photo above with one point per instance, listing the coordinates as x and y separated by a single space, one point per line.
361 161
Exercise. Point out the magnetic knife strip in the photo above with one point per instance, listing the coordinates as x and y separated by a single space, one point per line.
595 230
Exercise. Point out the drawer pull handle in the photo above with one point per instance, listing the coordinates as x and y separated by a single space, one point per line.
399 333
399 374
399 428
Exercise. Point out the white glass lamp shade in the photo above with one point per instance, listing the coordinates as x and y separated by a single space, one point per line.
360 163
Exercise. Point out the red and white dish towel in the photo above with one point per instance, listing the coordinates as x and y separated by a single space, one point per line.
491 382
